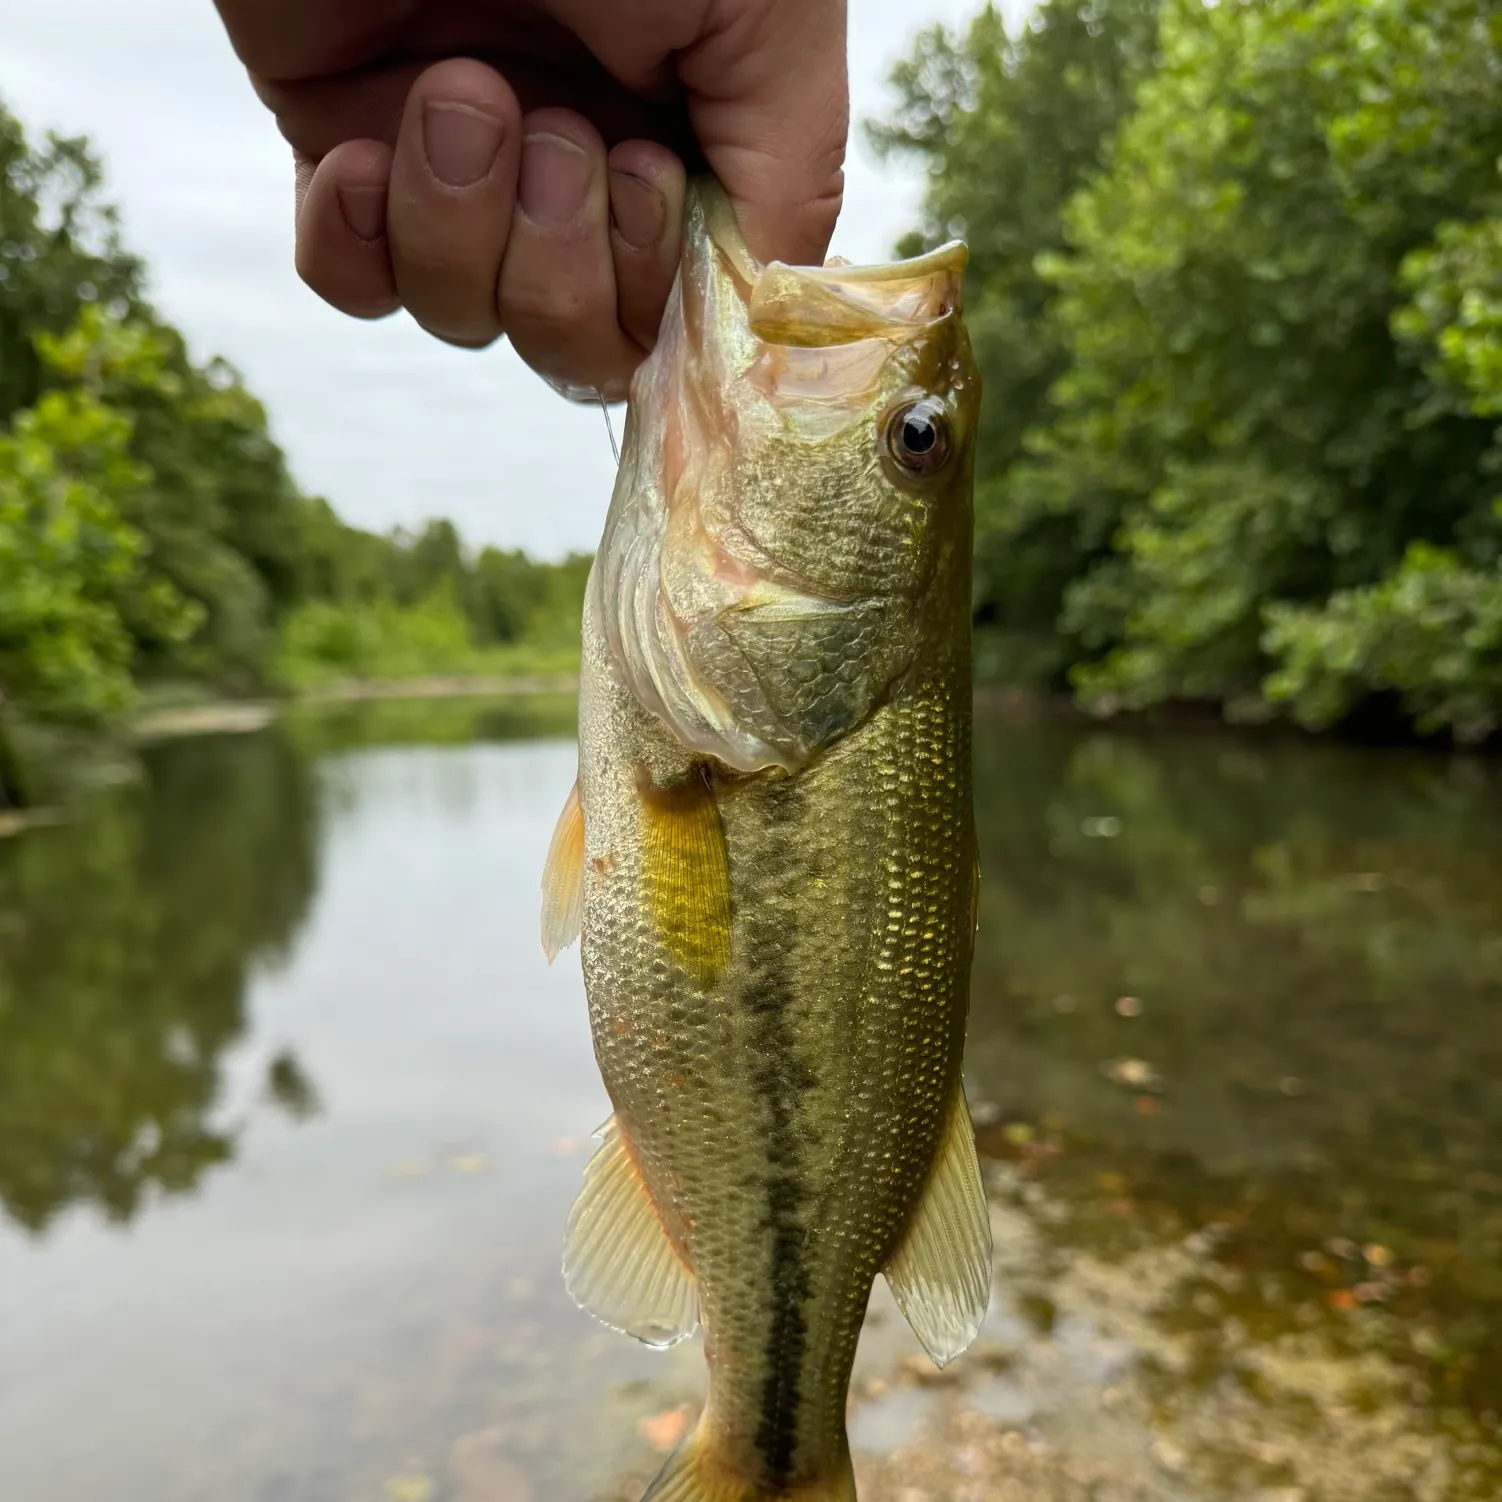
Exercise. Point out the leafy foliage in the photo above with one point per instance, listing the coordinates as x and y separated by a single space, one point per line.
1455 314
1273 296
501 613
149 525
1011 126
74 576
324 642
60 250
1431 631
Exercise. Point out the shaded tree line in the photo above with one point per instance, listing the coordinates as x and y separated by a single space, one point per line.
1236 291
150 529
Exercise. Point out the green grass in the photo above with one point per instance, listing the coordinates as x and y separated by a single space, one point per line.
323 643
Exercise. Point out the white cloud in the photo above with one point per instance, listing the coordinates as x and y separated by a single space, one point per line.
385 421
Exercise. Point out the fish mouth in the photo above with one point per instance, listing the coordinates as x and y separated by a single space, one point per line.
822 306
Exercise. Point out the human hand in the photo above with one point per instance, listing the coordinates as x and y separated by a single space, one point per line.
527 183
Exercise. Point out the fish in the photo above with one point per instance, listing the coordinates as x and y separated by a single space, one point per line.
769 854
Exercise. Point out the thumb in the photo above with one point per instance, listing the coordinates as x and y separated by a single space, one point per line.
769 100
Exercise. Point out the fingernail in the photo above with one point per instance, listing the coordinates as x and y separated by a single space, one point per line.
364 210
461 143
554 179
637 210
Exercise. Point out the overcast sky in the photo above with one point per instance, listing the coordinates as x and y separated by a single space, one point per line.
388 423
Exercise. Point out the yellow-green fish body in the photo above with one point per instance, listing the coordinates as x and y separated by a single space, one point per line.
771 849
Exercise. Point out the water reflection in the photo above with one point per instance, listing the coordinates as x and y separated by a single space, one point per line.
1235 1051
1250 994
125 946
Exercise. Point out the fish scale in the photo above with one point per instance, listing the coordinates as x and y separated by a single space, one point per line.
788 1113
777 955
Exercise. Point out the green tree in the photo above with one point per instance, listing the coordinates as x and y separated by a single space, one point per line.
428 560
509 590
1430 631
224 521
342 563
75 576
60 249
1009 125
1237 303
1454 315
519 598
221 514
1240 425
149 525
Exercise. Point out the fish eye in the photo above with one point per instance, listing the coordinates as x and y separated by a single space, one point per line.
917 438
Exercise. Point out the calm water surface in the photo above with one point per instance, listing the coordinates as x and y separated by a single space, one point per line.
292 1112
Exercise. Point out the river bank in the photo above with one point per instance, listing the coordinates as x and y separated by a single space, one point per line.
108 758
231 717
181 713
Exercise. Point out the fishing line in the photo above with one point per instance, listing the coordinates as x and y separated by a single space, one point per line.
609 427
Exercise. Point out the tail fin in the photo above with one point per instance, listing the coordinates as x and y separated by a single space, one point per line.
695 1474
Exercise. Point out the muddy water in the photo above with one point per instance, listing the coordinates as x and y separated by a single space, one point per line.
292 1112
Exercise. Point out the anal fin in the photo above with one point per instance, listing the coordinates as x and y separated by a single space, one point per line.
940 1273
618 1261
563 879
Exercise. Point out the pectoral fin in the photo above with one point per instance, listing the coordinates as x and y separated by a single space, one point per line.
687 872
563 879
618 1260
940 1273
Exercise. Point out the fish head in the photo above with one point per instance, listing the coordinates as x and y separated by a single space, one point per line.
792 519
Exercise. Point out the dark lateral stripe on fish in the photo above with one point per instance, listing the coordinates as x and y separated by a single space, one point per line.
780 1078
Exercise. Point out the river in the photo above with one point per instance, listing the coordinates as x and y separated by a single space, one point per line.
292 1111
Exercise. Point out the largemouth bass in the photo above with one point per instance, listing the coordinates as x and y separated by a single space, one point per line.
770 848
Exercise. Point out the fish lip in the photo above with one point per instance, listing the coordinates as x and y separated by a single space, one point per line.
724 233
949 258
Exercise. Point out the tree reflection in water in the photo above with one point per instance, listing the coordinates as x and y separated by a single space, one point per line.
126 942
1249 989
